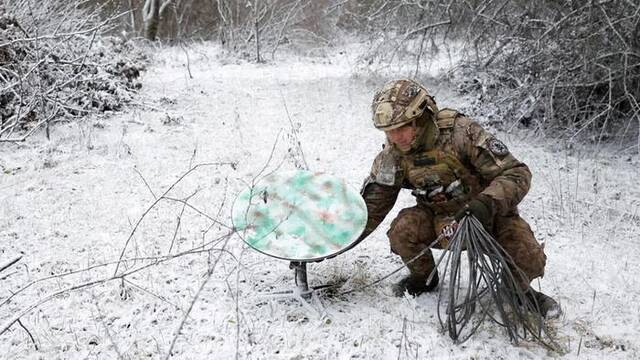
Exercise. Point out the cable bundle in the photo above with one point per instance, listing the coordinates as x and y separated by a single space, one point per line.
491 283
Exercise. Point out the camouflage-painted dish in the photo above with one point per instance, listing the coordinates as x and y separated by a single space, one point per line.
300 215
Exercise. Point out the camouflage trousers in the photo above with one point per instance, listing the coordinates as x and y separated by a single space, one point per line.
416 227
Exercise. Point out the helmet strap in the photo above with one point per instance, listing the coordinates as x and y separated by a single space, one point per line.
418 140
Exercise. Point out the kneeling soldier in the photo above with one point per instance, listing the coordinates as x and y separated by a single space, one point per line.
452 165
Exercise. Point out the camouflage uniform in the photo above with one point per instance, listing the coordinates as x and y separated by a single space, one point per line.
459 161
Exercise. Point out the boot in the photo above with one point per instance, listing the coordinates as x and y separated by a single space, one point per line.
546 305
416 285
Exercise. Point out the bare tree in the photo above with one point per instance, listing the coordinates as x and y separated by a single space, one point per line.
152 13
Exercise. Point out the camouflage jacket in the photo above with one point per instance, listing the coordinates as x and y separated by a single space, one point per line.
461 161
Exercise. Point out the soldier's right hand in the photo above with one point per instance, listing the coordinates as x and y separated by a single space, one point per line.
482 208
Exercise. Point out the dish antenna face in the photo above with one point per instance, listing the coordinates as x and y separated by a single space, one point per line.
300 216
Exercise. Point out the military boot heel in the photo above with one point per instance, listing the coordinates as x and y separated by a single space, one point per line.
415 285
545 305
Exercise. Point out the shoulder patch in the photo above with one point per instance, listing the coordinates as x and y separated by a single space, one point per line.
497 147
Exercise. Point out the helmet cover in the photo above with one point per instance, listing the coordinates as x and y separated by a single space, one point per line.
399 103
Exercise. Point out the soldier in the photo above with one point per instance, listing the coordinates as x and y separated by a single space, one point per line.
453 166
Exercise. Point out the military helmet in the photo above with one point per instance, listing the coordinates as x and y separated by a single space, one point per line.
400 102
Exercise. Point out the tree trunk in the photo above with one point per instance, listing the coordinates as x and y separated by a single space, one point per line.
258 59
133 18
151 18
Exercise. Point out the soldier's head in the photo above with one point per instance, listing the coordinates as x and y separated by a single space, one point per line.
402 109
403 137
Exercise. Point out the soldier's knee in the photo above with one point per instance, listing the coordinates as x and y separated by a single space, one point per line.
401 233
412 226
515 235
533 263
407 222
406 217
539 260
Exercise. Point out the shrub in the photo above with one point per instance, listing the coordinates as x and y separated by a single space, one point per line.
55 67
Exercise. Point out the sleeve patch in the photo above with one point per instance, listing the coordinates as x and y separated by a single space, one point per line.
497 147
386 175
385 169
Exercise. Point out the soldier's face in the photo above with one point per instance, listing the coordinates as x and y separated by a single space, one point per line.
403 136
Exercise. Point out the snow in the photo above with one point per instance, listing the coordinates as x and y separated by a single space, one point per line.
72 202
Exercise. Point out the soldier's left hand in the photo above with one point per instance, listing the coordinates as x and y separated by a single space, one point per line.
447 233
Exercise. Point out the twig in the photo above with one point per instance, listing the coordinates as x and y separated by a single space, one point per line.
193 155
177 228
284 25
24 137
579 346
613 28
266 165
133 231
157 259
426 27
424 37
16 317
195 299
145 182
28 333
9 263
188 61
376 282
88 284
236 300
295 132
211 218
402 336
152 294
86 53
69 34
106 328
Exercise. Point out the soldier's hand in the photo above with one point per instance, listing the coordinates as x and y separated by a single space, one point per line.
447 233
482 208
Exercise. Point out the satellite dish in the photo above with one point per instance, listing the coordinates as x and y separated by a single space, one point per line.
301 216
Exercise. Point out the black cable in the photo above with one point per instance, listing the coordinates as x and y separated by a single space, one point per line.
491 274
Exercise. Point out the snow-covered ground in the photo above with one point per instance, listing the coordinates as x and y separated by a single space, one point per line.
71 203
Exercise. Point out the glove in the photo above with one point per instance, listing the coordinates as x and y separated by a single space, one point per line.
482 208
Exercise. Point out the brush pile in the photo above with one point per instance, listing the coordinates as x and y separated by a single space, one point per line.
60 68
565 68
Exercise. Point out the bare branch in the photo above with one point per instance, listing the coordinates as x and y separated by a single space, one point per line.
75 33
35 345
193 302
133 231
10 263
